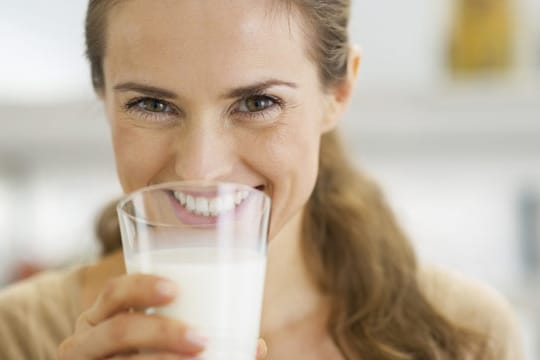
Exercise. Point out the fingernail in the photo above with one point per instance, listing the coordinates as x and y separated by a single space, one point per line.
166 288
195 338
261 349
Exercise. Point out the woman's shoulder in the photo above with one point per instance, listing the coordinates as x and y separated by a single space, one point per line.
40 279
474 305
37 313
48 287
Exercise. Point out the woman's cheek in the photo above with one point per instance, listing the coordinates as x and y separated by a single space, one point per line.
140 156
289 162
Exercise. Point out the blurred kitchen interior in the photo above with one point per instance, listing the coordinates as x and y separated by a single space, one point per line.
446 118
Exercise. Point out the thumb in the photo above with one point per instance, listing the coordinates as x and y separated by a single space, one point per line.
262 350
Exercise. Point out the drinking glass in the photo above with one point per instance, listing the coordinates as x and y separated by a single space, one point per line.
210 239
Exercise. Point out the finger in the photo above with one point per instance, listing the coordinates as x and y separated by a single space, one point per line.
262 349
130 291
126 332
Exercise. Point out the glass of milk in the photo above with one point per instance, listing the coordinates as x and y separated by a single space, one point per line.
210 238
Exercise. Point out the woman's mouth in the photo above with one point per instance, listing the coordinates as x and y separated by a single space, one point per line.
211 206
207 207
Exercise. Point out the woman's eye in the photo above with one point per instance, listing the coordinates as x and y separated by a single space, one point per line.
152 111
153 105
256 103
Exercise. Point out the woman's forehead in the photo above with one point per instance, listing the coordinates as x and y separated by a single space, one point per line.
203 40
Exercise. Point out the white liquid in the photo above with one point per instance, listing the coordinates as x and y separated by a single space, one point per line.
219 294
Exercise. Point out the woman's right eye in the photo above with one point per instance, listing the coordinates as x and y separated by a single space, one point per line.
152 111
150 105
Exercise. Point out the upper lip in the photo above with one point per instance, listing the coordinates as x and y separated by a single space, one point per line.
213 193
210 192
258 186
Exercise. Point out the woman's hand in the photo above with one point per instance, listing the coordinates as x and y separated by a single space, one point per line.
110 330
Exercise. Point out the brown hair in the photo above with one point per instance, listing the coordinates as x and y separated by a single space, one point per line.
108 229
352 245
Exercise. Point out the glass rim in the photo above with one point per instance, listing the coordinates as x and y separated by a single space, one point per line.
129 197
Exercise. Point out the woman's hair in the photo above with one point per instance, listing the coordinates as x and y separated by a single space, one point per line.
353 248
108 229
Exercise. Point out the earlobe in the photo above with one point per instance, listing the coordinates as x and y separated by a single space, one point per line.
342 93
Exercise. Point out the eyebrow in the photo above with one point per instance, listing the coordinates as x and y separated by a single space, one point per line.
239 92
257 88
147 90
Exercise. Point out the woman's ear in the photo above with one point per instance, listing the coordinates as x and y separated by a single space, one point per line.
340 95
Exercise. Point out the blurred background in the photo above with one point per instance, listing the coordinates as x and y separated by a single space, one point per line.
446 117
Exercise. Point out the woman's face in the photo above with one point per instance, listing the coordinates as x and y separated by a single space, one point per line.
214 90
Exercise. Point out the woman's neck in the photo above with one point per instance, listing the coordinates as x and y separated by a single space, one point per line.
290 297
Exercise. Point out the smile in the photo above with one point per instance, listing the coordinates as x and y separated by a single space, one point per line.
211 206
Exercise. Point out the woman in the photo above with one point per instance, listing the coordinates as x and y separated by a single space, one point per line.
251 92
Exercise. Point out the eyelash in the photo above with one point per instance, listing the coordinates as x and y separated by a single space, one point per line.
132 106
258 116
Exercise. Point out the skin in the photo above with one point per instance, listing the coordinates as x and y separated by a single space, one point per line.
181 103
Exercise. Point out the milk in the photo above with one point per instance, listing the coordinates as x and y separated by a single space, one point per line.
219 294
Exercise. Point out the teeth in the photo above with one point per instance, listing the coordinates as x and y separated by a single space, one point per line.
181 197
190 203
201 206
238 198
214 206
211 207
228 202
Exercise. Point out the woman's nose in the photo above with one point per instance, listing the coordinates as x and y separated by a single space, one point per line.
205 153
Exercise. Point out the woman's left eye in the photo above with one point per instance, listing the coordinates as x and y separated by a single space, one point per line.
256 103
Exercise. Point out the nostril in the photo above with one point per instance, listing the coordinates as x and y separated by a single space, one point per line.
260 187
